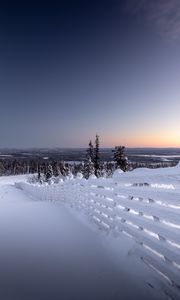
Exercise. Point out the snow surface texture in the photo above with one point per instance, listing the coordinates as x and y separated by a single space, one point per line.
143 205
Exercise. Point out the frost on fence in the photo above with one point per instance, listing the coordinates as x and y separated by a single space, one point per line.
140 204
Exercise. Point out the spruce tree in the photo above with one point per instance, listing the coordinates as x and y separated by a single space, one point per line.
49 173
39 173
96 156
120 158
88 168
89 163
90 152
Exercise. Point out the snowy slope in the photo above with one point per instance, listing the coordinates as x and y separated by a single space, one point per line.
143 205
11 179
49 251
46 252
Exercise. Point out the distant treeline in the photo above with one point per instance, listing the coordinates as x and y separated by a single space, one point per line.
16 167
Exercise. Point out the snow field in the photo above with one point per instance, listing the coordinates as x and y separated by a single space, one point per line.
143 205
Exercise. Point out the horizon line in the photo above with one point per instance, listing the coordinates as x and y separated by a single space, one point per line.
83 147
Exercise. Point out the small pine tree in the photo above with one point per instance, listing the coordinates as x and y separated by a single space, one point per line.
103 170
63 169
90 152
120 158
88 168
49 173
39 174
96 156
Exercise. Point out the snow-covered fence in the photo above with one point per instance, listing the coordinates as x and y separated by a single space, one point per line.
144 204
43 192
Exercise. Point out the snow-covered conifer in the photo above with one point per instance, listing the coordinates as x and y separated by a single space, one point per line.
96 156
120 158
88 168
49 173
90 152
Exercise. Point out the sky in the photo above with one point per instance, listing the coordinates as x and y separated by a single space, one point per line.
72 68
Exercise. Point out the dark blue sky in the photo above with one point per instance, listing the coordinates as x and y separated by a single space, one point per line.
69 69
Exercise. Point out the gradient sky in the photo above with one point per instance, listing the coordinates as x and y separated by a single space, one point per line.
70 69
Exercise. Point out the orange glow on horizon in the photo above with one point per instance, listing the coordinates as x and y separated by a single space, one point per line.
159 140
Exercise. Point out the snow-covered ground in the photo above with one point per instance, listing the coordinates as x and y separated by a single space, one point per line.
48 251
